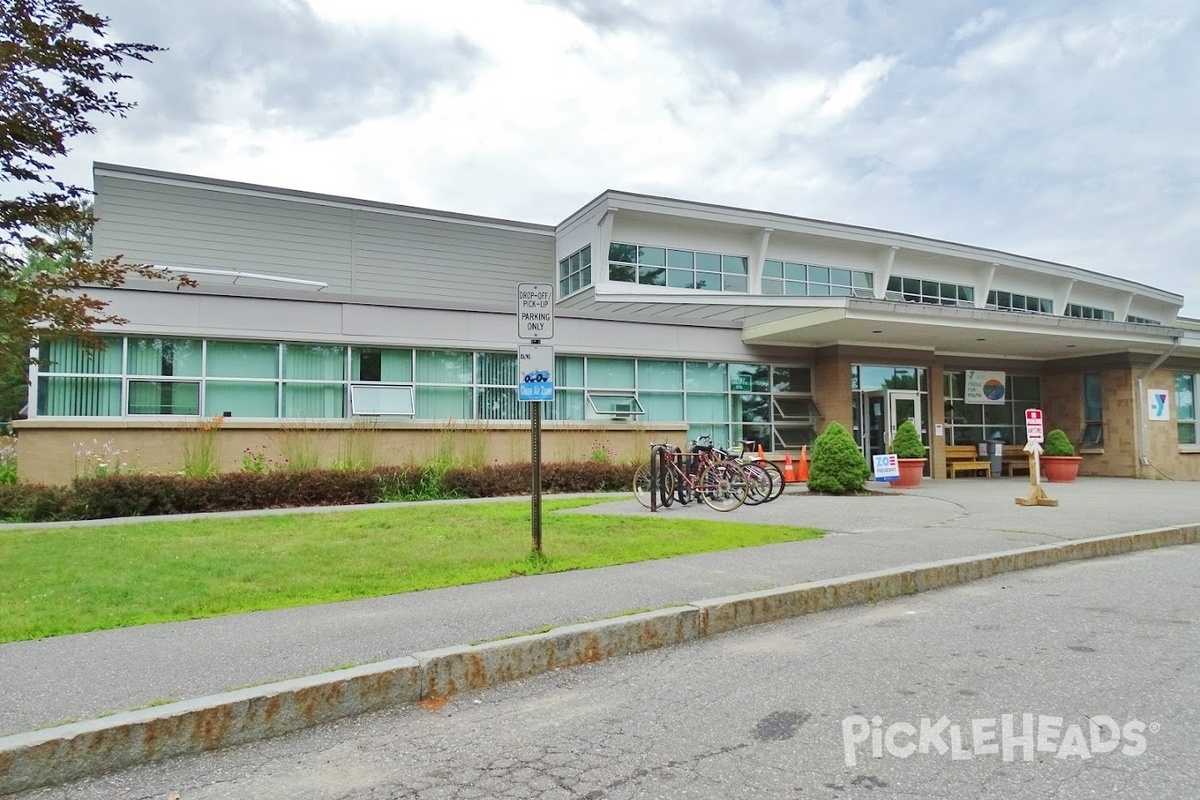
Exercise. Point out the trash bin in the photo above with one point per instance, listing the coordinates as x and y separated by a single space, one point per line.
996 451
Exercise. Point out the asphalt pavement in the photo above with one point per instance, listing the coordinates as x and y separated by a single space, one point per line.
83 676
1071 682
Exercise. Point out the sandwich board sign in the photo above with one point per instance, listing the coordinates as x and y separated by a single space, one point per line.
1034 432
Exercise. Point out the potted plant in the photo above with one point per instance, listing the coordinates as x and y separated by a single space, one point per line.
910 453
1059 461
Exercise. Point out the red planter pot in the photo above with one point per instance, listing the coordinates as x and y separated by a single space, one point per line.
911 471
1061 469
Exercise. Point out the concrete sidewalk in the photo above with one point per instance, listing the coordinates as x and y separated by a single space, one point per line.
88 675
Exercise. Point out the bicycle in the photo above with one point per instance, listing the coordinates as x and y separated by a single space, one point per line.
721 484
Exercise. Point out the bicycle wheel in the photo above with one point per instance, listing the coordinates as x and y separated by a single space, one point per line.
758 484
777 479
684 491
641 486
722 486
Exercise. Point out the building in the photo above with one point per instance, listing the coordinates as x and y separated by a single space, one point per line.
672 319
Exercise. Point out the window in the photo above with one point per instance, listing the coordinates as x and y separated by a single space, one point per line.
80 381
1141 320
1088 312
971 423
369 401
917 290
788 278
1011 301
575 271
615 404
679 269
1093 411
1185 406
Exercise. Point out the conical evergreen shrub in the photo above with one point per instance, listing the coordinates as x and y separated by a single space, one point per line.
907 442
837 465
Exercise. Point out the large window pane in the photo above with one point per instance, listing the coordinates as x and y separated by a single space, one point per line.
569 404
706 376
662 406
164 397
314 400
79 397
610 373
495 402
381 364
707 407
243 359
497 369
70 355
241 399
313 363
568 371
166 357
1185 396
442 366
792 379
660 374
749 378
438 402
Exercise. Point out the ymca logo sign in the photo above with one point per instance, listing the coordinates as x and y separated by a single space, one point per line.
1156 402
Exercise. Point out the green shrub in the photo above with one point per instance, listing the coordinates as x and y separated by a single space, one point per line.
907 442
29 502
131 495
837 465
1057 444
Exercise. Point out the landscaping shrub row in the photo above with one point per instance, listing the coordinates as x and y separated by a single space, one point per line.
145 495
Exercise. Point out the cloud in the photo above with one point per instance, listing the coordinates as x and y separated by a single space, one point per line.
277 63
1063 131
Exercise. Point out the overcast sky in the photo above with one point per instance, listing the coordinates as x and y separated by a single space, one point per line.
1059 129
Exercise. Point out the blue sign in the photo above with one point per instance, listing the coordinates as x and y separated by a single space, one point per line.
535 364
535 386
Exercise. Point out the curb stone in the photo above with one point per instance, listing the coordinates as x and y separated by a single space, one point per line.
70 752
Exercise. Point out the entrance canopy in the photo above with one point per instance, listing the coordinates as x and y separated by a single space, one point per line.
959 330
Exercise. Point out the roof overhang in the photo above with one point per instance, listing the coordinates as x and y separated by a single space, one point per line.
967 331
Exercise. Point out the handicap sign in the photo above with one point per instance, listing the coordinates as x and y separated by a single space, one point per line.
887 468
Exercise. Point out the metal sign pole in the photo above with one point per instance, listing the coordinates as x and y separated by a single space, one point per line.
535 418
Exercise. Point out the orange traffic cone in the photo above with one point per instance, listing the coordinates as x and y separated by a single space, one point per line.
803 463
788 474
761 457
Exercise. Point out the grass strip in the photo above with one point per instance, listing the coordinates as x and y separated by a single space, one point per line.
75 579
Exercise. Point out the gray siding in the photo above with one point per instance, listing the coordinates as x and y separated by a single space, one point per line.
354 250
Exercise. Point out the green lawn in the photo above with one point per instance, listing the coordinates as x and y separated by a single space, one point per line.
74 579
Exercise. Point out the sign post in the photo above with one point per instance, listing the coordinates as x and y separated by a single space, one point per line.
1035 435
535 373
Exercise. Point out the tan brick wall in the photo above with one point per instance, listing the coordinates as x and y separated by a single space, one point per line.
1063 408
831 391
54 451
1167 459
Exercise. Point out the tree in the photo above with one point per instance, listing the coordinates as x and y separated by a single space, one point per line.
838 466
55 72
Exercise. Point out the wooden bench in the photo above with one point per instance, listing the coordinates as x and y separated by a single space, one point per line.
1015 459
965 458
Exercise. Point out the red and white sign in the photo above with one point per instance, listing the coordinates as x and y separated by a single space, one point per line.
1034 432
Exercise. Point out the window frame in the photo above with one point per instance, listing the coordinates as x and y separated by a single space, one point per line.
1194 420
1092 438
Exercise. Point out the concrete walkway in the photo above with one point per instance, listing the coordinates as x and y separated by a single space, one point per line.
87 675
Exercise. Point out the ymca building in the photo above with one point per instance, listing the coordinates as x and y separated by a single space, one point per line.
672 319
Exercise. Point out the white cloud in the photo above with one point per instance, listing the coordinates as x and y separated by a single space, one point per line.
984 22
1063 131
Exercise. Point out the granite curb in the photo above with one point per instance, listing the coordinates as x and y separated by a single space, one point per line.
69 752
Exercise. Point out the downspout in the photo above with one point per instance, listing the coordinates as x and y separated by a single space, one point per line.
1140 403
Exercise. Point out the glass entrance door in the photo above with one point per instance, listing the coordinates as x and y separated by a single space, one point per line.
902 405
